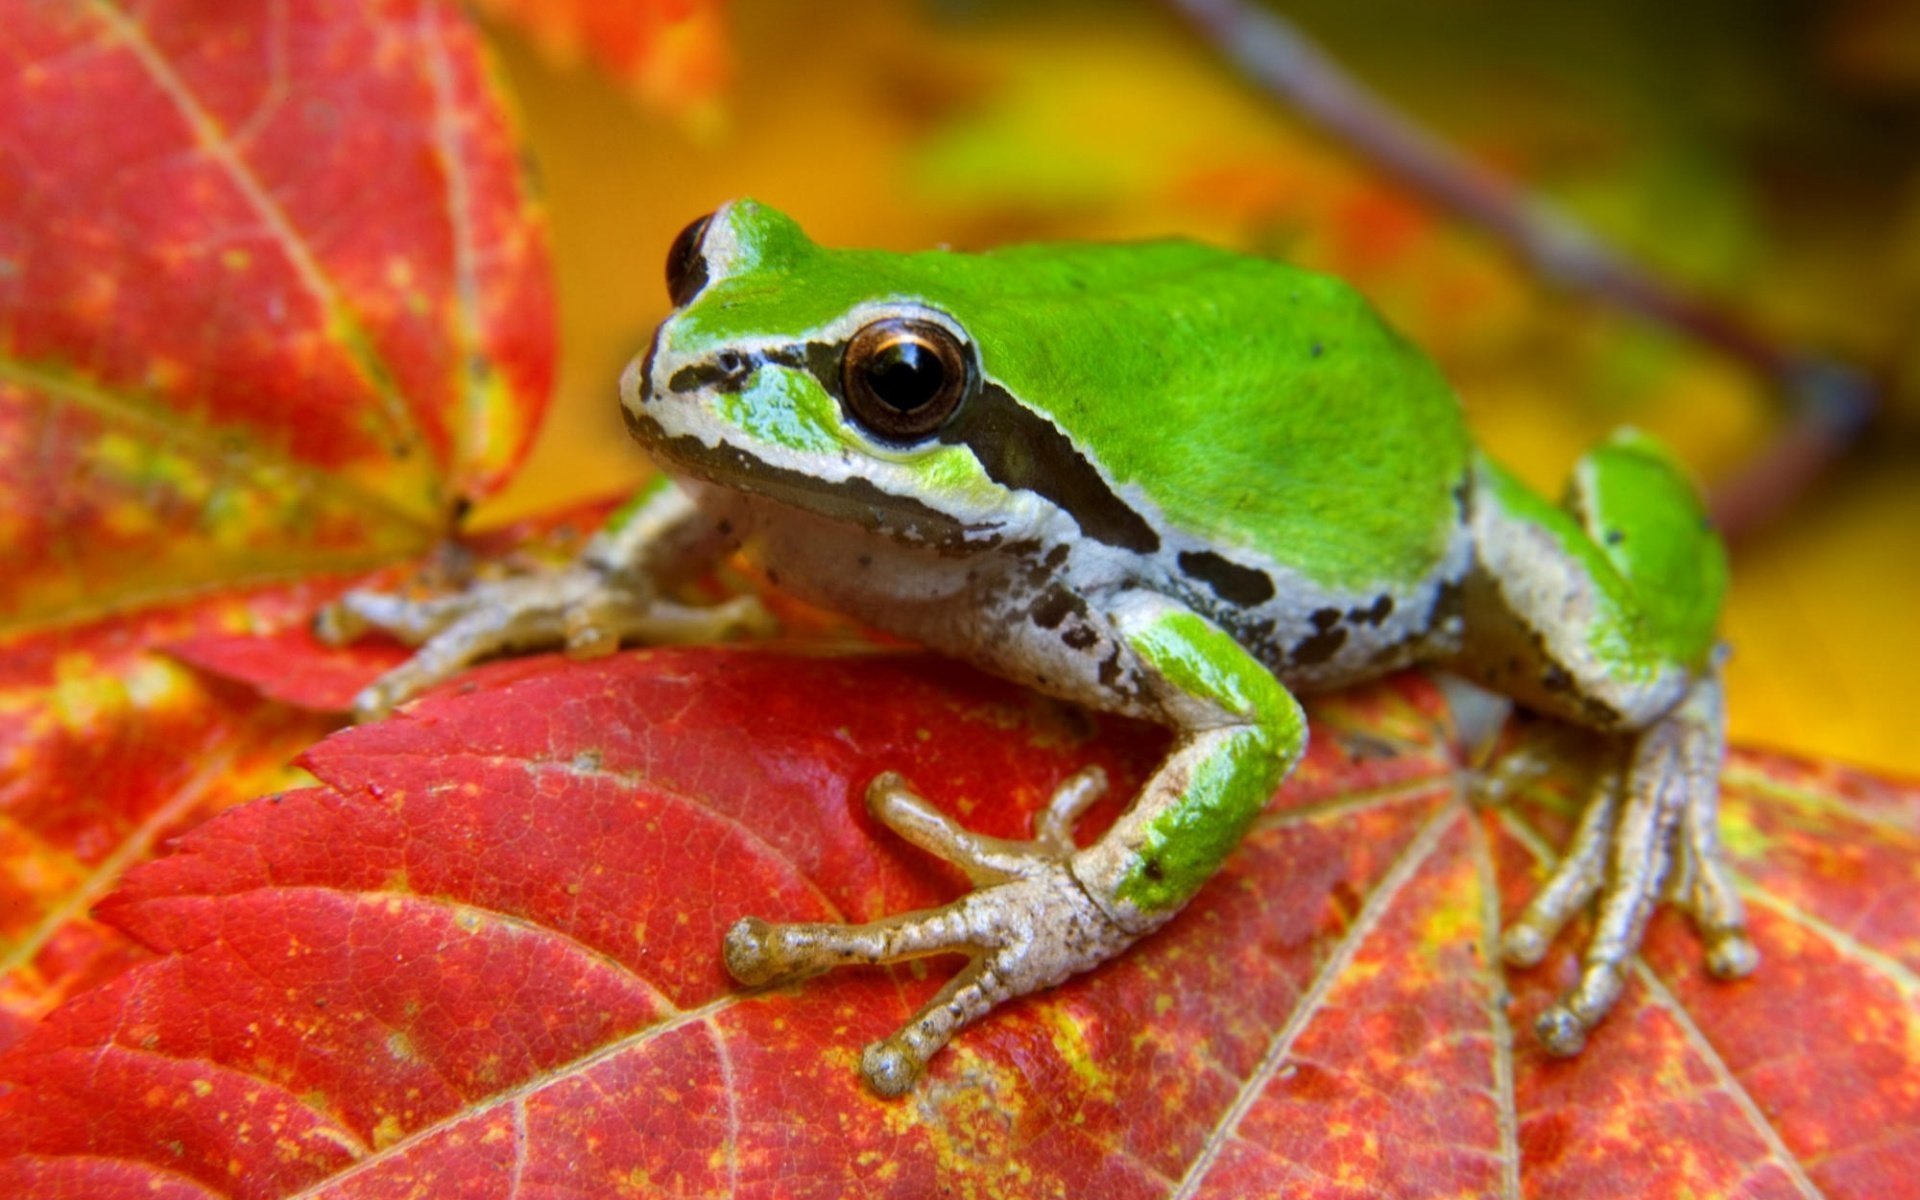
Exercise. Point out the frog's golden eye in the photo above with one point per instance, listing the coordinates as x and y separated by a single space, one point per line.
686 266
903 378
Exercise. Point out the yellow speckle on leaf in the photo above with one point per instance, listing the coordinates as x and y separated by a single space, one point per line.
387 1132
1069 1036
399 1045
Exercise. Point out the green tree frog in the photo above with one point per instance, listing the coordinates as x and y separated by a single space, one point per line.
1157 479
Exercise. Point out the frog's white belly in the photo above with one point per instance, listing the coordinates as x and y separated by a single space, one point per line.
1034 610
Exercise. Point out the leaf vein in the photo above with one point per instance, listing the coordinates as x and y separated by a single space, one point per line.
1315 997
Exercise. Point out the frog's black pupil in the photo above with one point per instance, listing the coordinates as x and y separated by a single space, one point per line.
906 375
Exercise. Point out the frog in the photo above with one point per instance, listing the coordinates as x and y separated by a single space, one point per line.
1157 479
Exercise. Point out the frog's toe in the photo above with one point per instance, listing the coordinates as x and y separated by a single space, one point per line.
365 610
450 650
1575 880
756 953
892 1064
987 860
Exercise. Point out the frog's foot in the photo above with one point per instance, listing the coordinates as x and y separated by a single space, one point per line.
1649 833
582 607
1028 925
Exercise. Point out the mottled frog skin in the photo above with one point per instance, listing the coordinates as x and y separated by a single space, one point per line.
1158 479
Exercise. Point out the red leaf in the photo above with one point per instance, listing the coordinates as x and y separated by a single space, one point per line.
106 751
272 298
483 955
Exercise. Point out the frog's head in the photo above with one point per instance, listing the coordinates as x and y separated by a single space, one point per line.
830 380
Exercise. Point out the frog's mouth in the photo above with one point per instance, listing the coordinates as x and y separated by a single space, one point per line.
855 502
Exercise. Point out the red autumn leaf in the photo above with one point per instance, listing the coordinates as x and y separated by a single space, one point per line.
273 301
482 956
106 750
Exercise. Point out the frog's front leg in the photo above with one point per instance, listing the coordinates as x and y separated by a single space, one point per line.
1603 613
609 594
1045 910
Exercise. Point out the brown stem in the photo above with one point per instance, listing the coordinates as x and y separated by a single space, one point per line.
1831 403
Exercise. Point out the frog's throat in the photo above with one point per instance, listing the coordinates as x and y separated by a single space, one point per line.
854 502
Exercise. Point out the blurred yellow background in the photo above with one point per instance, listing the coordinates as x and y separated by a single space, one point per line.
1704 144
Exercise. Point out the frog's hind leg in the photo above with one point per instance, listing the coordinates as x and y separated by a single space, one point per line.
1602 613
1648 833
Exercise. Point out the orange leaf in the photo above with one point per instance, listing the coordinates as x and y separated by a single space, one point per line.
672 53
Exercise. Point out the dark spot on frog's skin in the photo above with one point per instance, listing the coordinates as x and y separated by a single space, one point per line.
1110 669
1228 580
1373 614
1615 537
1054 606
1325 618
866 560
727 372
1056 556
1318 648
1079 636
1318 350
1152 869
1555 678
724 528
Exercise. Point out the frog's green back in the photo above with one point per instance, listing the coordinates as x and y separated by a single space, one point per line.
1256 404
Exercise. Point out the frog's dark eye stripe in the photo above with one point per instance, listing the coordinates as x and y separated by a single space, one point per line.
1020 449
686 265
1016 447
903 378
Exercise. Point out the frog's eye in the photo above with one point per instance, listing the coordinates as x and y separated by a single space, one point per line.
903 378
686 266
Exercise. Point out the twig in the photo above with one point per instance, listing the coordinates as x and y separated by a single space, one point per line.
1831 402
